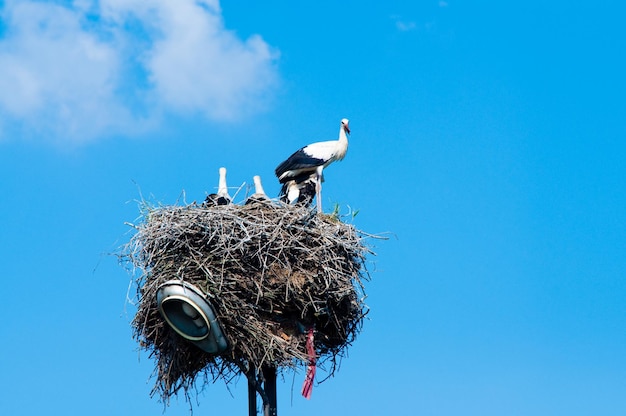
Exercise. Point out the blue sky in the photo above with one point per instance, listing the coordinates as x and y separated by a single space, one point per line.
487 138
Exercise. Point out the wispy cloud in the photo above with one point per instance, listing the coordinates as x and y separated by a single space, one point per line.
404 26
401 24
112 66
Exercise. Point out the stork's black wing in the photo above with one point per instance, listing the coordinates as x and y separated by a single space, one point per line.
298 161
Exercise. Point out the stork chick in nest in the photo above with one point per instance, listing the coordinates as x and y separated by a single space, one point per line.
221 197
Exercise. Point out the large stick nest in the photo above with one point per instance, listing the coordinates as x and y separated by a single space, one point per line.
271 271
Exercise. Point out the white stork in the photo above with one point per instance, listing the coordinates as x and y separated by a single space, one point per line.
259 194
299 190
311 160
221 197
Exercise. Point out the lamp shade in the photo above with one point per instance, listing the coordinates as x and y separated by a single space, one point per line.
188 312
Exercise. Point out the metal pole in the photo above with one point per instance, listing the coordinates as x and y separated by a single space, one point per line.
269 375
252 393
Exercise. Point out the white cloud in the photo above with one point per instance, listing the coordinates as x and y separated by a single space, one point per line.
197 64
55 77
111 66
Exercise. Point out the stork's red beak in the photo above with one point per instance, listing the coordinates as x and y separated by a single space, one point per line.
346 128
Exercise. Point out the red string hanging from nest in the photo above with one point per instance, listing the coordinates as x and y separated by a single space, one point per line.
307 386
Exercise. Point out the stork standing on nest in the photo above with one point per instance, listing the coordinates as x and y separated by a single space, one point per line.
221 197
311 160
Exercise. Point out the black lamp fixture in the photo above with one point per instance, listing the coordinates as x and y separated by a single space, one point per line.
188 312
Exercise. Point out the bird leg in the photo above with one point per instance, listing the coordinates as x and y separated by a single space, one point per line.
318 189
318 196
